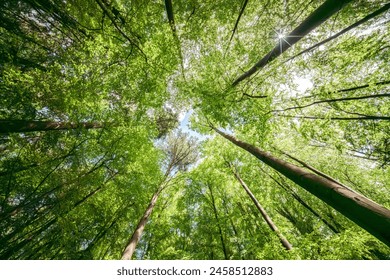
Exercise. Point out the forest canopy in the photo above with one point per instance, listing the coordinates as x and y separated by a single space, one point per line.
188 129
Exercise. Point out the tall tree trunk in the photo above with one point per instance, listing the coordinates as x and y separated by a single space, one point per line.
320 15
132 244
218 223
10 126
178 151
245 2
171 19
367 214
245 213
262 211
345 30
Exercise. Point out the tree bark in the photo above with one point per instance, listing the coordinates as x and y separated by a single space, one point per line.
132 244
262 211
17 126
320 15
367 214
218 223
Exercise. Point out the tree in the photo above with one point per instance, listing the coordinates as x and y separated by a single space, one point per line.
12 126
366 213
326 10
363 20
91 91
266 217
180 153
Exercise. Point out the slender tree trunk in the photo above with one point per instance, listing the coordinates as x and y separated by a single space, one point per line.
10 126
262 211
320 15
169 10
235 232
367 214
18 169
171 19
92 193
8 252
28 200
218 223
317 171
356 24
132 244
303 203
245 2
244 213
102 233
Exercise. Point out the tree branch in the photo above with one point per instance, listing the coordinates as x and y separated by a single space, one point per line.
333 100
319 16
112 19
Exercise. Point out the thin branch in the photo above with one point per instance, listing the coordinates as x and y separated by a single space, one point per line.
337 118
254 96
332 100
363 86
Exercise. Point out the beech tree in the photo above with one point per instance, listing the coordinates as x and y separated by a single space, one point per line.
9 126
371 216
180 153
94 92
266 217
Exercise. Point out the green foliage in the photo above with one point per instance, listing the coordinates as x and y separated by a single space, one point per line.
78 194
